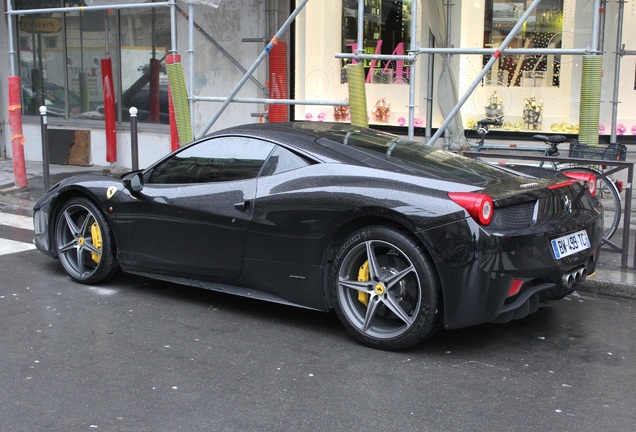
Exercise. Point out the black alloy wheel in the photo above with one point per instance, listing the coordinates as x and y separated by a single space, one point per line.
84 242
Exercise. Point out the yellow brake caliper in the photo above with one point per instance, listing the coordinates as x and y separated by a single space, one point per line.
96 236
363 276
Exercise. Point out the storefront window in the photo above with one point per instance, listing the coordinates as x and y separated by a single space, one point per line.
387 30
38 37
61 58
528 92
145 38
86 44
542 30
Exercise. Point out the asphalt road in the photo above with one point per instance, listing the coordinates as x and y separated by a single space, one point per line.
141 355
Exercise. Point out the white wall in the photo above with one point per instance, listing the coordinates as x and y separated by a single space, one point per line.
152 146
214 73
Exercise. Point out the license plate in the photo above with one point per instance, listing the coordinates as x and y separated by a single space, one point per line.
570 244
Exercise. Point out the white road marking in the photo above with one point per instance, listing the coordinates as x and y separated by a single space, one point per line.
16 221
11 246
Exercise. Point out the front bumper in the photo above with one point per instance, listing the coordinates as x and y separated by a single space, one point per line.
41 226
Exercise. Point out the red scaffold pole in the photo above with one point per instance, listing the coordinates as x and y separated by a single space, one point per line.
17 139
109 110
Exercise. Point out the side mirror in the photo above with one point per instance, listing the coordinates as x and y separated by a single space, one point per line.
134 182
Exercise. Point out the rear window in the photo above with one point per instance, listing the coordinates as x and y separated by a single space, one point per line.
417 158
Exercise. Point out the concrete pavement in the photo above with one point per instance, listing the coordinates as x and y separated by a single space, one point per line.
610 278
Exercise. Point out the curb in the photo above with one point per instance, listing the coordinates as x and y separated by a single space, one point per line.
614 282
608 288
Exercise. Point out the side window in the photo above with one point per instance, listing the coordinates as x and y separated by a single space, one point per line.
282 160
215 160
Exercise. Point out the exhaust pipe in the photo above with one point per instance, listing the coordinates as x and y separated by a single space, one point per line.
582 274
574 277
568 280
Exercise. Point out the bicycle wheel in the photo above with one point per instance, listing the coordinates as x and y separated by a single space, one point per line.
608 195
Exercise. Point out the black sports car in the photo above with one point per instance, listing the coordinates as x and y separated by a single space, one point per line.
397 237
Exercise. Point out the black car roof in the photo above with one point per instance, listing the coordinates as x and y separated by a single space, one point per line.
294 133
307 136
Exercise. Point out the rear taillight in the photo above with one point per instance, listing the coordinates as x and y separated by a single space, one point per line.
587 177
479 206
515 287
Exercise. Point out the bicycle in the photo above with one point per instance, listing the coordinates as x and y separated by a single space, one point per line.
607 191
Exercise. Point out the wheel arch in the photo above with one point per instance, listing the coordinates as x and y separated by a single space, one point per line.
395 221
62 198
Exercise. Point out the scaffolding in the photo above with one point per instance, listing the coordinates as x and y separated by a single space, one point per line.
594 48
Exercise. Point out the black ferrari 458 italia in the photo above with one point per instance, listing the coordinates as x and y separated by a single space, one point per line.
399 238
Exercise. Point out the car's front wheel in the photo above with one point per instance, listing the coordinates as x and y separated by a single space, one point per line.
84 242
387 293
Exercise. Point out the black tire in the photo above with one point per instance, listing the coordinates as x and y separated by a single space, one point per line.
401 289
84 242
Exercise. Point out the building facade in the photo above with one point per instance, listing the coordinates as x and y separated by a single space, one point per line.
60 55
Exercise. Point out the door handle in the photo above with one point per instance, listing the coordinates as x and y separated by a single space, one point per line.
242 206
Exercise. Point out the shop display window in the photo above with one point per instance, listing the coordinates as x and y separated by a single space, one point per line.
542 30
530 92
60 60
387 30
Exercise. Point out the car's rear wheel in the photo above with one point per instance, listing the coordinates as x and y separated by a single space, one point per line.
386 290
84 242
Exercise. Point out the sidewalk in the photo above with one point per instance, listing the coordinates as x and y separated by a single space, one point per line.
25 198
609 279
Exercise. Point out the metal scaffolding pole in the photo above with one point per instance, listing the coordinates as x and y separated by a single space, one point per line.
360 49
87 8
412 70
506 51
356 56
617 69
596 13
12 52
271 101
191 71
429 87
601 41
173 26
447 59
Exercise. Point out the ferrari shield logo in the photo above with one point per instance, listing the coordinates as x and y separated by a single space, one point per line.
111 191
